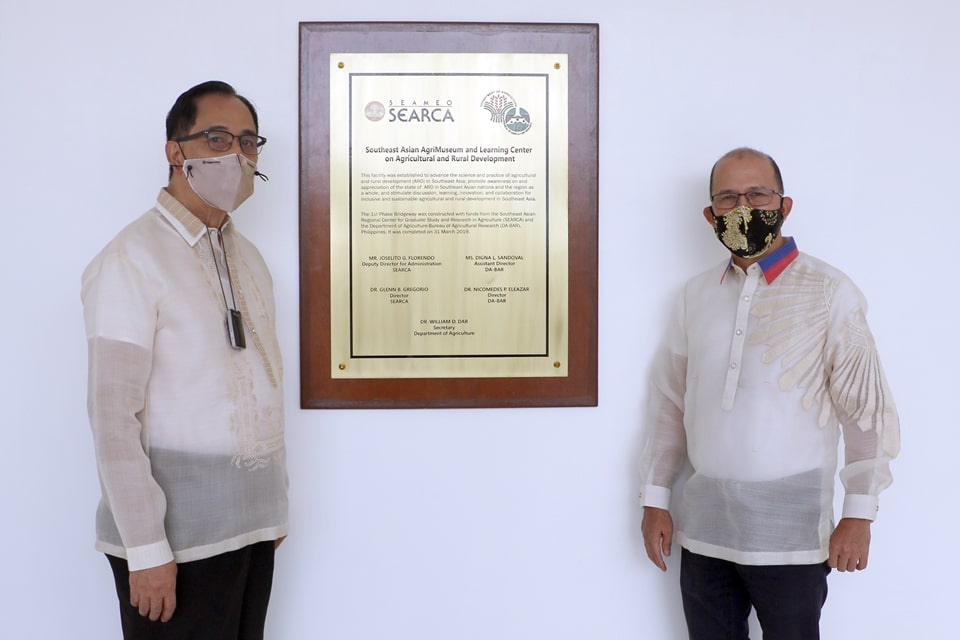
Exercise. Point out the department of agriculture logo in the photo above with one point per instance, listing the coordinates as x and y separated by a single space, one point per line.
504 110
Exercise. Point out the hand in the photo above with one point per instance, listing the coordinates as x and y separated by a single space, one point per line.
154 591
850 545
657 528
278 542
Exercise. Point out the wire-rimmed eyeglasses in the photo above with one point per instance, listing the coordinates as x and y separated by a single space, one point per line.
220 140
757 197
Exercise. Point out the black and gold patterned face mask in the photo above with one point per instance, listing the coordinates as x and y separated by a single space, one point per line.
748 232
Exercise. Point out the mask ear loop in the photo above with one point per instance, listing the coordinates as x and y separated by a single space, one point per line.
180 166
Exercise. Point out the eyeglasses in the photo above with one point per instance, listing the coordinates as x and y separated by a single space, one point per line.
758 197
222 141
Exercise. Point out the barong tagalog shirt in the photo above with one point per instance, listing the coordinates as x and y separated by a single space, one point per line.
758 374
188 431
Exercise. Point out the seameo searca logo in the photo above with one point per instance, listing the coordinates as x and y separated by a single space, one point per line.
374 111
505 110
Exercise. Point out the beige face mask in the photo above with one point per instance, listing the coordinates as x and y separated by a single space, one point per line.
223 183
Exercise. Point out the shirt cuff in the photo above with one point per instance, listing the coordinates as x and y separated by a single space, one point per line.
654 496
149 555
860 506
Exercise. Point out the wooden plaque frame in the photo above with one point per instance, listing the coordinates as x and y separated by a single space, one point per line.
318 390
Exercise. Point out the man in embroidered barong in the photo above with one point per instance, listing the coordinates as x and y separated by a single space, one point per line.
767 361
184 390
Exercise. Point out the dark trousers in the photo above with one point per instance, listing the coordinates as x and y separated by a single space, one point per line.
220 598
718 595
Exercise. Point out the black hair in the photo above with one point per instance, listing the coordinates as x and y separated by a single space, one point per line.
183 114
740 151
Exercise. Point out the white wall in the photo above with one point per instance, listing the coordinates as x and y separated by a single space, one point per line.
483 524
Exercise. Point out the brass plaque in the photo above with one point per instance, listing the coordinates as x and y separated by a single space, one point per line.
448 223
448 215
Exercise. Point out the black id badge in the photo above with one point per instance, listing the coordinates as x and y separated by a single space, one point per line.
235 329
